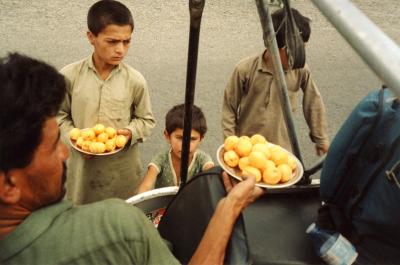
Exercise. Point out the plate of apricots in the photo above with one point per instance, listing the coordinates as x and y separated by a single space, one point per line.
273 166
98 140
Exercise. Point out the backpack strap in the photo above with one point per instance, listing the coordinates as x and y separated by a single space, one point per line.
345 185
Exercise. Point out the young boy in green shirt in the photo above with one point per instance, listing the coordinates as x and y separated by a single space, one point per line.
164 168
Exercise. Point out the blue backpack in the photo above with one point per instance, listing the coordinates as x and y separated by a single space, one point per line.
360 179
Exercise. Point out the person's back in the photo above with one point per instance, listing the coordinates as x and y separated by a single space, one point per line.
252 100
90 234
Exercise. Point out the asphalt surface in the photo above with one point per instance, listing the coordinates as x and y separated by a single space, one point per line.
55 31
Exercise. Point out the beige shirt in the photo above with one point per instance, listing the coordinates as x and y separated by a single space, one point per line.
252 103
120 101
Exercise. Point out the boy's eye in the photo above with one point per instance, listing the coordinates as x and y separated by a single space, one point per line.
126 42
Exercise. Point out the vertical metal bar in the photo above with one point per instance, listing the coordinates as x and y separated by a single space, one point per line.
196 10
380 52
272 48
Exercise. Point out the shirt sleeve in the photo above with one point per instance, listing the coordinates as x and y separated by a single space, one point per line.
204 159
142 121
314 109
231 101
64 117
158 161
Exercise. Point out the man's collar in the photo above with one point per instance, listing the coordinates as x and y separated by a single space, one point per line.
31 228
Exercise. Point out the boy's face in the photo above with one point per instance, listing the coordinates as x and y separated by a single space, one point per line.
111 44
175 140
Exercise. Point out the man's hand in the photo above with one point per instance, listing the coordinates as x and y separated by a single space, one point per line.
126 132
322 150
243 193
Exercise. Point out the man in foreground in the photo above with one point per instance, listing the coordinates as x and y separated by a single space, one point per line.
38 227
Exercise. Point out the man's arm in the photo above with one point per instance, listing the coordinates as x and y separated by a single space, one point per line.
212 247
231 102
314 112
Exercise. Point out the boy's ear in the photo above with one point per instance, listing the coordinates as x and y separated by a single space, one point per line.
166 135
9 193
90 36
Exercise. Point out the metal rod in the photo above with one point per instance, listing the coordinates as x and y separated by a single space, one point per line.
196 10
272 49
380 52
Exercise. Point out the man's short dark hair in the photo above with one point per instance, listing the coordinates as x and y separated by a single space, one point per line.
279 19
108 12
175 117
31 91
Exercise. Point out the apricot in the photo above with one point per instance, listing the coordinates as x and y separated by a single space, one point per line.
243 162
120 141
257 160
230 142
292 163
97 147
252 171
286 172
86 145
279 157
271 175
111 132
263 148
88 134
110 145
243 147
231 158
258 139
79 141
102 137
269 163
74 134
98 128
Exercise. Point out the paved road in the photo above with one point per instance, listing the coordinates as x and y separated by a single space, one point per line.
54 30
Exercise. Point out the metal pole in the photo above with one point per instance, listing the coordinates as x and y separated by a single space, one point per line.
380 52
196 11
272 49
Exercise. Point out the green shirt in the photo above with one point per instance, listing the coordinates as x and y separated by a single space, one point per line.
252 103
107 232
120 101
166 174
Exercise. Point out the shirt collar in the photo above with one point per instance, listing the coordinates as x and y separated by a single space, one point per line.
90 64
265 66
30 229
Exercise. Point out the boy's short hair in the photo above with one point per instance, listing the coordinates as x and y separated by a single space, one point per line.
279 19
108 12
175 117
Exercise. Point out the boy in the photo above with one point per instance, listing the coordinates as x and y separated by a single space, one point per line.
103 89
164 169
251 101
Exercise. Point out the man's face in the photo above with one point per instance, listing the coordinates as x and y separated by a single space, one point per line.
43 179
111 45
